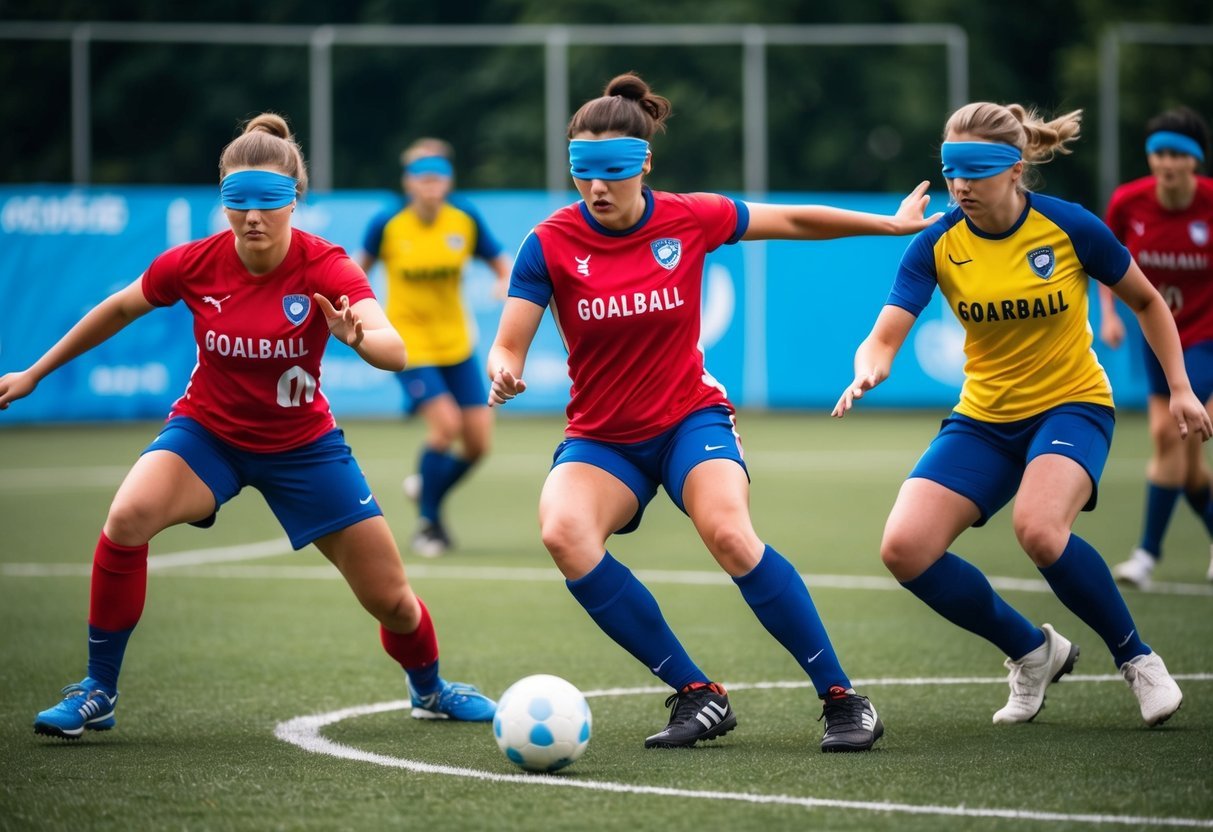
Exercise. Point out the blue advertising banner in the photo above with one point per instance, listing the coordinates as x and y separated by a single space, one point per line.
781 320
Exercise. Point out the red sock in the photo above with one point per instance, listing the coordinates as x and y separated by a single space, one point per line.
119 585
416 649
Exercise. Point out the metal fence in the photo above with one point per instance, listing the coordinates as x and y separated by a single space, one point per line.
555 41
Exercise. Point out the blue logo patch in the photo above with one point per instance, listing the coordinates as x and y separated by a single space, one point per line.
667 252
296 307
1042 261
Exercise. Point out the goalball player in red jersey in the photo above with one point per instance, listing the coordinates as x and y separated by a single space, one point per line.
1166 219
265 298
622 271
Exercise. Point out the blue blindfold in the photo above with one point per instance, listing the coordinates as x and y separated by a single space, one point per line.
1178 142
610 159
430 166
246 190
977 160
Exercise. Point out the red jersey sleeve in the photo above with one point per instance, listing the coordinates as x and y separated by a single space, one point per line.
718 216
161 284
338 275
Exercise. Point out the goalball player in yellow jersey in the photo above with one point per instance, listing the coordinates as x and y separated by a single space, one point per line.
425 246
1035 416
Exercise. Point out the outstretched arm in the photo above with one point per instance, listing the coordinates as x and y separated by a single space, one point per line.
507 357
102 321
875 355
1111 327
365 329
1158 326
822 222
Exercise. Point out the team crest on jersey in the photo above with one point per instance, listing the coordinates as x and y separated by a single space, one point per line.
296 307
667 252
1042 261
454 242
1198 230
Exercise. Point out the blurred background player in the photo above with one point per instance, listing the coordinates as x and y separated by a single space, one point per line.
1165 219
1035 416
425 245
622 271
264 298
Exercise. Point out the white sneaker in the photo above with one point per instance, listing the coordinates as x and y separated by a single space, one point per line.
1209 574
412 487
1137 571
1031 674
1153 686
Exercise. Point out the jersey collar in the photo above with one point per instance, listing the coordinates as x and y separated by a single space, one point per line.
1004 234
602 229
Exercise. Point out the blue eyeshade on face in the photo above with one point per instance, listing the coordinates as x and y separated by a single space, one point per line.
610 159
1178 142
430 165
246 190
977 160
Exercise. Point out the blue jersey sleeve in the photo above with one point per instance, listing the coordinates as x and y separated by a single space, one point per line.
1103 256
916 279
743 222
373 238
530 279
487 246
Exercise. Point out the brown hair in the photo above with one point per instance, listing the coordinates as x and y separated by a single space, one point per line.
426 147
266 142
626 106
1038 140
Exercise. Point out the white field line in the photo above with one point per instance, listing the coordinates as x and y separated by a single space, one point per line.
201 563
305 732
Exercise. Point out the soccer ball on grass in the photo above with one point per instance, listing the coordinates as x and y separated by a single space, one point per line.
542 723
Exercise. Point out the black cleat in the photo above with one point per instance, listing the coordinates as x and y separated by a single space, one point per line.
700 711
431 540
851 721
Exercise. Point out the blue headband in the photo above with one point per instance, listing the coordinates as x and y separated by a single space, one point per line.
1166 140
245 190
611 159
977 160
430 165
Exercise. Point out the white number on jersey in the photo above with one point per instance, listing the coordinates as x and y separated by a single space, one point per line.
294 385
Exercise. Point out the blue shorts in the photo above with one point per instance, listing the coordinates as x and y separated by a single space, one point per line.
1198 358
985 461
464 381
314 490
664 460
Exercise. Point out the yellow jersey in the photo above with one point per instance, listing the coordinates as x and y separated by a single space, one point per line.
424 265
1022 298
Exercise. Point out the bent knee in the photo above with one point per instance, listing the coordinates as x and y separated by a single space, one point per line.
735 548
1043 542
906 556
131 524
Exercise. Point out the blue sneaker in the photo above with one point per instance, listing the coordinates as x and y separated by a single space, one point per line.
84 705
453 700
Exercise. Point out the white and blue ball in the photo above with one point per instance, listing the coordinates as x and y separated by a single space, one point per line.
542 723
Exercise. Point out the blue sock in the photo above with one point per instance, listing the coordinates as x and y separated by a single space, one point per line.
1160 505
957 590
778 596
625 610
1083 582
105 651
1203 506
439 473
424 679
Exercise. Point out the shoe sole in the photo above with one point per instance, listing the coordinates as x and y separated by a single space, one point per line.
48 730
719 731
844 747
1165 717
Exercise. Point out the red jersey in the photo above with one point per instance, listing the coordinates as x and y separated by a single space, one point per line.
260 337
627 305
1173 248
